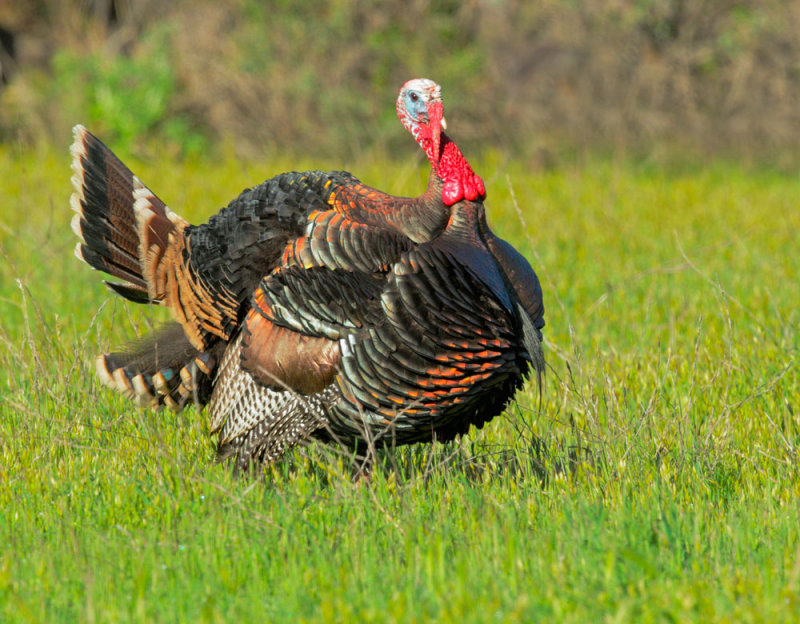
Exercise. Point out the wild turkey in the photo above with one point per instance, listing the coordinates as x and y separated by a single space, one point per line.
314 306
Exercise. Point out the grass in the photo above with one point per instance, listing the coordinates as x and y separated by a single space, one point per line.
656 481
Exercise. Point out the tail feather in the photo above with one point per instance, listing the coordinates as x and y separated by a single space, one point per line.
100 261
163 369
124 228
102 202
128 232
155 224
137 295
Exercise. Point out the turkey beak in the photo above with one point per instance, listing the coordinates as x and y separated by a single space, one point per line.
436 123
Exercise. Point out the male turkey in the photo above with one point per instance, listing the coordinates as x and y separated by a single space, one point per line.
314 306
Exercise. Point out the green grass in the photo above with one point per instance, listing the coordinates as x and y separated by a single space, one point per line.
657 481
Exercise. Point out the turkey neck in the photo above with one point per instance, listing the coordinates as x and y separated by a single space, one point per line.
452 180
459 181
422 218
425 217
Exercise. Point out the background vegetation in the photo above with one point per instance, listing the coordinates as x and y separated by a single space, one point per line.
656 480
543 78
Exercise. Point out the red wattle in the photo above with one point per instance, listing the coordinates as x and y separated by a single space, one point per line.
452 192
458 179
479 186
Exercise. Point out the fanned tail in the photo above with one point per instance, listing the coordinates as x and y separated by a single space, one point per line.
126 231
124 228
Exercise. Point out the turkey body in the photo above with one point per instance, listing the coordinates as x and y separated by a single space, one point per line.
314 306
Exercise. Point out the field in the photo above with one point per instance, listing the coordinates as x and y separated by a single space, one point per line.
656 480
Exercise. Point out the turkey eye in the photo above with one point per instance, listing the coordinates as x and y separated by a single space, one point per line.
414 97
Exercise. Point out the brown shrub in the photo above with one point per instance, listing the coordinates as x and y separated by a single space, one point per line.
320 77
